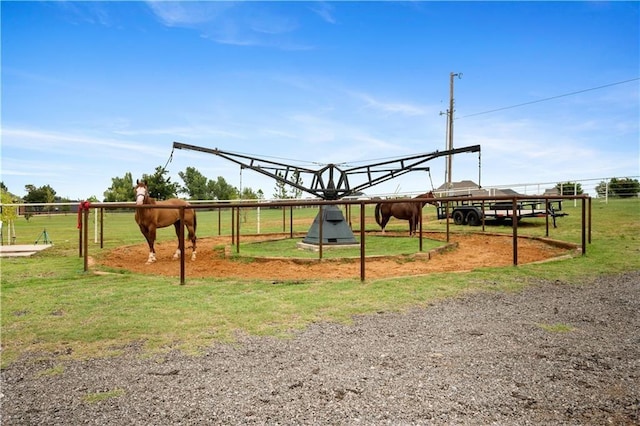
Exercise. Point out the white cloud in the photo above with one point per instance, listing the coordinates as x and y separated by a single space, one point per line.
176 132
324 10
189 14
68 143
390 107
233 23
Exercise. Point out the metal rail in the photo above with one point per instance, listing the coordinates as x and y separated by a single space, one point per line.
330 182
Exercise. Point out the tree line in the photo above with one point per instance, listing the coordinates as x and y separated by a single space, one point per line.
616 188
196 186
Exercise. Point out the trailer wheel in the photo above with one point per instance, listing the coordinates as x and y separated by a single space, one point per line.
473 219
458 217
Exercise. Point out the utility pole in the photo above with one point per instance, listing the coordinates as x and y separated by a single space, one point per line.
450 127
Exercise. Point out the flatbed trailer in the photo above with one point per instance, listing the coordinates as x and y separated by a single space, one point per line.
472 213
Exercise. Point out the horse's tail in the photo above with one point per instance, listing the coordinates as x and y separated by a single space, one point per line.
378 215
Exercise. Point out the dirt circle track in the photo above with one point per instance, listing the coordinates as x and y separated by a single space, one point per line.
467 252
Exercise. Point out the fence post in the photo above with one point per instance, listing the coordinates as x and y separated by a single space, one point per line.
589 220
447 219
181 245
237 229
362 245
547 207
584 225
290 221
80 225
233 225
86 238
420 220
514 221
101 227
321 219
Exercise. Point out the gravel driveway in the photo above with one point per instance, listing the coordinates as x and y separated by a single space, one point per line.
550 354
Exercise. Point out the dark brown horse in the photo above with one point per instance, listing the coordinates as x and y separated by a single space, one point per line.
406 210
150 219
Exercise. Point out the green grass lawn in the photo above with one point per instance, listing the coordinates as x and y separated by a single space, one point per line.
375 246
49 305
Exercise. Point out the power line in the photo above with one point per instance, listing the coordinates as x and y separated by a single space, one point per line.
551 98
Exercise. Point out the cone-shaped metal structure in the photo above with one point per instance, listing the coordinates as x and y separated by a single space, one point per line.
335 229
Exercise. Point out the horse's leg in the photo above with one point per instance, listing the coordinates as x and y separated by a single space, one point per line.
150 235
152 239
415 219
145 232
191 226
177 225
192 237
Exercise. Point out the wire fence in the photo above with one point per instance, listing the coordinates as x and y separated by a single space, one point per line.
596 188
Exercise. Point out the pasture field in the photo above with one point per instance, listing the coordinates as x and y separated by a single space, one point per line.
50 306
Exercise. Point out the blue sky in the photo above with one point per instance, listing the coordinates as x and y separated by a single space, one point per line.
93 90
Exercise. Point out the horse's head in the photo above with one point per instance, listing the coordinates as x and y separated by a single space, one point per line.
430 198
142 193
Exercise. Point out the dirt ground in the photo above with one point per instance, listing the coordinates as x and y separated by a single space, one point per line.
466 252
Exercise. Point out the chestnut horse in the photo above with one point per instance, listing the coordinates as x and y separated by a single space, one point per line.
407 210
150 219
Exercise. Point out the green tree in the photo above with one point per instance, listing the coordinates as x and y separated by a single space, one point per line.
161 187
121 189
221 190
7 214
294 191
569 188
195 184
65 208
624 188
286 191
281 188
43 194
249 194
199 187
